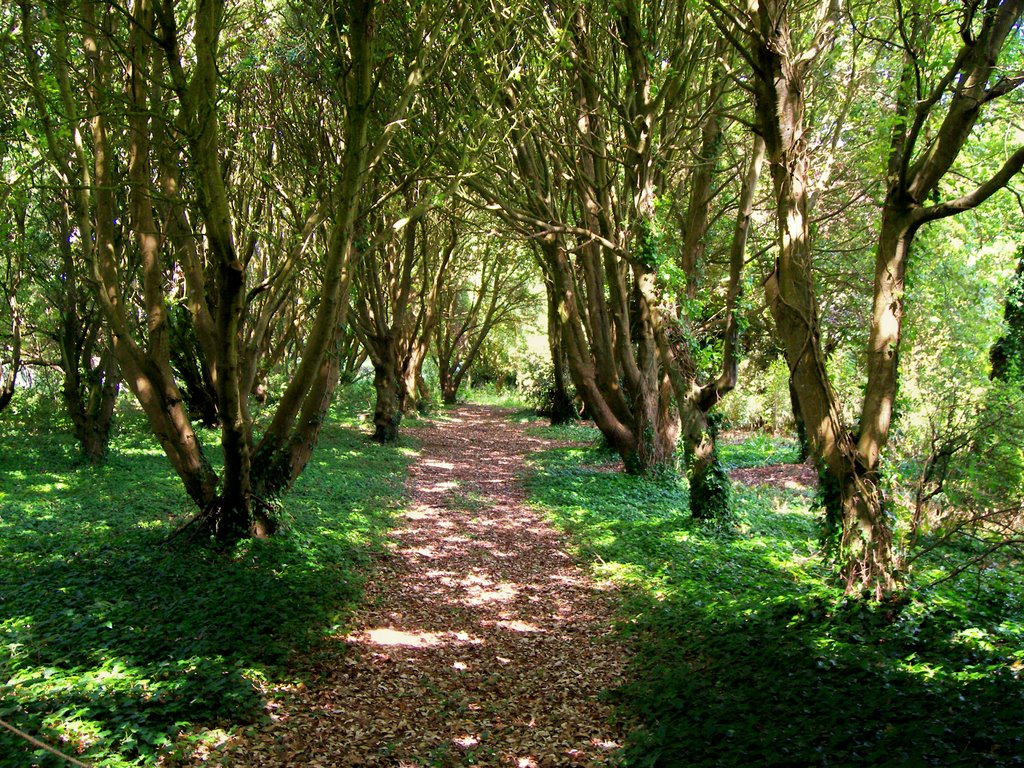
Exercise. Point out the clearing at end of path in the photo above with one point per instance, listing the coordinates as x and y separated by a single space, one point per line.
481 641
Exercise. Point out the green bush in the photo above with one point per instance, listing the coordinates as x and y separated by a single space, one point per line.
760 400
536 385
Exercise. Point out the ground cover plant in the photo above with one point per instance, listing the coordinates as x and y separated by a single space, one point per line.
116 644
748 654
745 450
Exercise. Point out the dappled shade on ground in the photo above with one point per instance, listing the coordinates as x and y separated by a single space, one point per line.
117 647
747 654
481 641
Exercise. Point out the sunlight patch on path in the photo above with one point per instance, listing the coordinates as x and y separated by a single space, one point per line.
389 636
481 642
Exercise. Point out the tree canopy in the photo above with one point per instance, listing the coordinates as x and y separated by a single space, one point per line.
226 207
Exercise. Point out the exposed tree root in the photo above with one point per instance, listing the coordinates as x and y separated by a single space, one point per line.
227 523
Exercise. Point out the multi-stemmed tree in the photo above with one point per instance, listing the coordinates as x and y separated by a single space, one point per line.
170 192
492 289
396 295
614 128
937 103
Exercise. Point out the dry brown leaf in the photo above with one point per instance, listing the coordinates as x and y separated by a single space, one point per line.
481 642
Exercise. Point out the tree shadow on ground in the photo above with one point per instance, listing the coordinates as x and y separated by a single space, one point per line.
114 641
797 683
746 656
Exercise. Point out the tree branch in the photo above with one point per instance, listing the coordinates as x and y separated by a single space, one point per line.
728 34
973 199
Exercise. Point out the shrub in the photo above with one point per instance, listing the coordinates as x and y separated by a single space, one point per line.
761 399
537 386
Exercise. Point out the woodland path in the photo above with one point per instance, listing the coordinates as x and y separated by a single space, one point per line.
481 641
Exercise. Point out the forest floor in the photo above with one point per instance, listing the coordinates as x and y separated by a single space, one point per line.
481 641
419 611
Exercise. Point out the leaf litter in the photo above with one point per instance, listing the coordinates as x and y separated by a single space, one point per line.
481 641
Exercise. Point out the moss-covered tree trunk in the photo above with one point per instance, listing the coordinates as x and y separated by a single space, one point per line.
709 484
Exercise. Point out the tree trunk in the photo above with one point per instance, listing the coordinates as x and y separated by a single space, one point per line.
853 500
413 393
563 411
886 325
448 382
192 369
710 490
798 422
1007 354
387 412
9 375
90 399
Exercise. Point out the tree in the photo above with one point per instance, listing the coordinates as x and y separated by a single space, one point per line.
396 290
164 96
92 379
489 289
584 225
13 209
560 406
72 322
10 282
598 145
780 60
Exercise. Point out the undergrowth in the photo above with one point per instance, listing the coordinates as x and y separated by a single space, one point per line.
745 654
488 394
758 450
117 647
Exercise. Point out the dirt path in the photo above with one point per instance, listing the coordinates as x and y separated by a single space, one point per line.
482 642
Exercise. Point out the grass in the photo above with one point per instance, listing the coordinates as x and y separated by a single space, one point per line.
746 654
117 647
488 394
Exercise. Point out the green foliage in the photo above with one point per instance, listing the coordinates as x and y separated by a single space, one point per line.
500 360
968 477
584 432
955 302
489 394
354 403
745 654
848 373
116 643
614 510
758 450
829 500
431 402
990 473
1008 352
536 384
761 398
37 408
648 247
